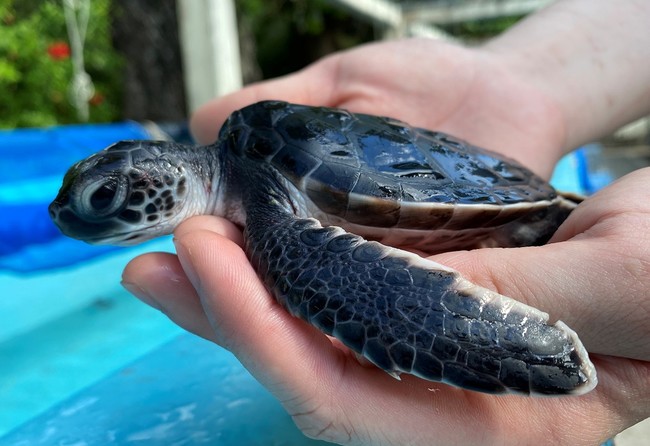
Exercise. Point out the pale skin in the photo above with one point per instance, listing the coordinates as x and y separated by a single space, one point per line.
564 76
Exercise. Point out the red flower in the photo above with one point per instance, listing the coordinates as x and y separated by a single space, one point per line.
58 50
97 99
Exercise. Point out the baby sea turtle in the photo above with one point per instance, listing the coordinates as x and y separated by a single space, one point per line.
307 183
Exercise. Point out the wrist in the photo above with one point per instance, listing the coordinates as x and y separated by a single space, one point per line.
589 57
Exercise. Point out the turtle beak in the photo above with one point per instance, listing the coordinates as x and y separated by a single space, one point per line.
55 207
66 220
70 224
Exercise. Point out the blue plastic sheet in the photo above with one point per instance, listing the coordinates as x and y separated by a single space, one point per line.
32 164
35 153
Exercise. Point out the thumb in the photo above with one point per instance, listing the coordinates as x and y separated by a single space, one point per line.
570 280
594 276
536 276
246 319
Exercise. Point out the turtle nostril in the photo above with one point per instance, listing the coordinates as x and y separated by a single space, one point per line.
53 209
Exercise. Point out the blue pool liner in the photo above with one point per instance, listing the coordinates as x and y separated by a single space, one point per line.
32 164
592 178
37 153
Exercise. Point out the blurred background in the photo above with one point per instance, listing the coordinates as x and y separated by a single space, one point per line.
77 61
77 75
140 66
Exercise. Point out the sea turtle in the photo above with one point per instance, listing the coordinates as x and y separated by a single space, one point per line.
306 184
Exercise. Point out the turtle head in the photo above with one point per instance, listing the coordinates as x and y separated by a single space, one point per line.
129 192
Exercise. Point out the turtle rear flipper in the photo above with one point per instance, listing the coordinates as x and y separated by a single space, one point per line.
407 314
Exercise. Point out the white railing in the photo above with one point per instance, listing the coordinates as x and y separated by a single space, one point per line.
445 12
210 49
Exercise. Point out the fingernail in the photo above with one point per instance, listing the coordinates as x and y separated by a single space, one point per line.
141 294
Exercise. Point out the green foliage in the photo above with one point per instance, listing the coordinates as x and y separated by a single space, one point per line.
290 34
36 68
482 29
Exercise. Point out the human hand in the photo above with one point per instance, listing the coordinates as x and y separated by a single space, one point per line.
594 275
468 93
211 289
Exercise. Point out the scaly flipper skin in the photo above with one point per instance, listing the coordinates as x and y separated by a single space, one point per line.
407 314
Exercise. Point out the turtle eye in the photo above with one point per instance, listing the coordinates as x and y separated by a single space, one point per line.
103 197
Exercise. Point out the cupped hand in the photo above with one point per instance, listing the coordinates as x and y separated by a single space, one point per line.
595 276
469 93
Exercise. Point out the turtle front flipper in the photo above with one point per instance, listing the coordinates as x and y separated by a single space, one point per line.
410 315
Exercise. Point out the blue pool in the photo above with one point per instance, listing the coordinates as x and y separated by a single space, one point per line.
82 362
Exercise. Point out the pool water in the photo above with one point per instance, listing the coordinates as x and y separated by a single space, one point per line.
45 360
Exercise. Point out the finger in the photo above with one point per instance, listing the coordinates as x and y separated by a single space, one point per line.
572 281
159 280
211 223
543 277
311 86
248 322
628 195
